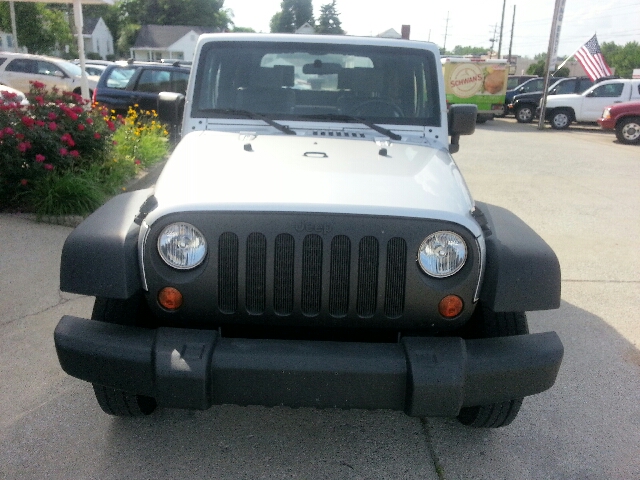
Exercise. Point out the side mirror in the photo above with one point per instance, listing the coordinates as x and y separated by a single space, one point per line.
590 94
522 90
170 107
171 110
462 121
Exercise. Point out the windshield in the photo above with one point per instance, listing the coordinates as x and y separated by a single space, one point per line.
299 80
71 68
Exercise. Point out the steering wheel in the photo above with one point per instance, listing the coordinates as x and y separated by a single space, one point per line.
378 108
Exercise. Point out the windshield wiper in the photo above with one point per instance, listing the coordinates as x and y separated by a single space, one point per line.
350 119
256 116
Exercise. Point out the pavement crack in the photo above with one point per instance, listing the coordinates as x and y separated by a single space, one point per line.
61 301
431 449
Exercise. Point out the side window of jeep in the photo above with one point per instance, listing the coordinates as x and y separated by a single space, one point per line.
119 78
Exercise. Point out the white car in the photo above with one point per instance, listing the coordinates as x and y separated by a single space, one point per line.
11 95
18 70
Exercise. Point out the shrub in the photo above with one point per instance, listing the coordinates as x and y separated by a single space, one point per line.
55 134
59 155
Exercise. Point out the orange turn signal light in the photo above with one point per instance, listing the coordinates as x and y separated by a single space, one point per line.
170 298
450 306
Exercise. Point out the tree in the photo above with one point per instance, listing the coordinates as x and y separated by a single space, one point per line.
41 28
460 50
538 67
329 21
622 59
293 15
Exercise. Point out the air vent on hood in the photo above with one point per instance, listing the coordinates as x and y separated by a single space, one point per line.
340 134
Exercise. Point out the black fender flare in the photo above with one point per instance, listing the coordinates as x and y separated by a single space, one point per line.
522 272
100 256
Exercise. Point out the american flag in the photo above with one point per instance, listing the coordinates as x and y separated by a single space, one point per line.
591 59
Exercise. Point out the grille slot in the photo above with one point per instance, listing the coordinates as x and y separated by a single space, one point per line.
311 275
340 269
367 276
256 273
395 277
283 274
228 273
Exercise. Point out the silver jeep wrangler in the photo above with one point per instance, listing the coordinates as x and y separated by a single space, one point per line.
311 243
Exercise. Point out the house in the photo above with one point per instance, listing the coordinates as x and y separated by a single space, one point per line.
170 42
97 37
391 33
305 28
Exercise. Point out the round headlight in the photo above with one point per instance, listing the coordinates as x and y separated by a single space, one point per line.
182 246
442 254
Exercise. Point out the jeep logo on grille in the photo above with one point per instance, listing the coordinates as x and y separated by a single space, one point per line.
311 227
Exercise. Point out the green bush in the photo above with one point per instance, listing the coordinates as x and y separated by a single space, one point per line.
60 155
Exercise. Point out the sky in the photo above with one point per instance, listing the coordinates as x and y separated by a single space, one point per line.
472 22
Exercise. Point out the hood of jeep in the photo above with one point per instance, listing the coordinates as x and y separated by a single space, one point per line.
229 171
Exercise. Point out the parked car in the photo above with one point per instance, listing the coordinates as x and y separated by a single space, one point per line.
562 110
532 85
18 70
514 81
524 105
10 95
625 119
124 85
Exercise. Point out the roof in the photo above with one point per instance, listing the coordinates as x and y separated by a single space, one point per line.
89 25
391 33
160 36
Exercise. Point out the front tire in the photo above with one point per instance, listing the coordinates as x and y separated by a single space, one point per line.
132 312
628 130
524 114
122 404
496 415
561 119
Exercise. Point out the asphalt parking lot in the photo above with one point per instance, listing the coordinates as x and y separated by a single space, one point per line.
579 189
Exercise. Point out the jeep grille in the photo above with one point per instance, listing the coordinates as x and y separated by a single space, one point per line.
310 275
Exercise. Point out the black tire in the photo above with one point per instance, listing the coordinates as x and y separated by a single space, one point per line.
524 114
121 404
561 119
628 130
132 311
496 415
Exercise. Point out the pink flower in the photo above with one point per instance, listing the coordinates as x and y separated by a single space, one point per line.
53 126
137 162
40 158
52 116
38 84
81 127
24 146
90 121
63 151
9 131
48 166
28 121
40 123
24 182
39 99
19 136
72 115
111 125
96 136
74 153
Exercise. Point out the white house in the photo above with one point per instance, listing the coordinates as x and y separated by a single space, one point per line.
169 42
97 37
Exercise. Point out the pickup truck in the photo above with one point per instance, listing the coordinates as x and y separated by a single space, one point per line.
562 110
624 118
311 243
524 105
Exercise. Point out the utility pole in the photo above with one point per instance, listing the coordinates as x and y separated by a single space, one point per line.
446 29
14 30
493 40
513 23
504 4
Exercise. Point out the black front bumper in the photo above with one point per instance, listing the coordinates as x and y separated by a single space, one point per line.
194 369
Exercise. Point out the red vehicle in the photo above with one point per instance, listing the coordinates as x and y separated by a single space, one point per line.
625 119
